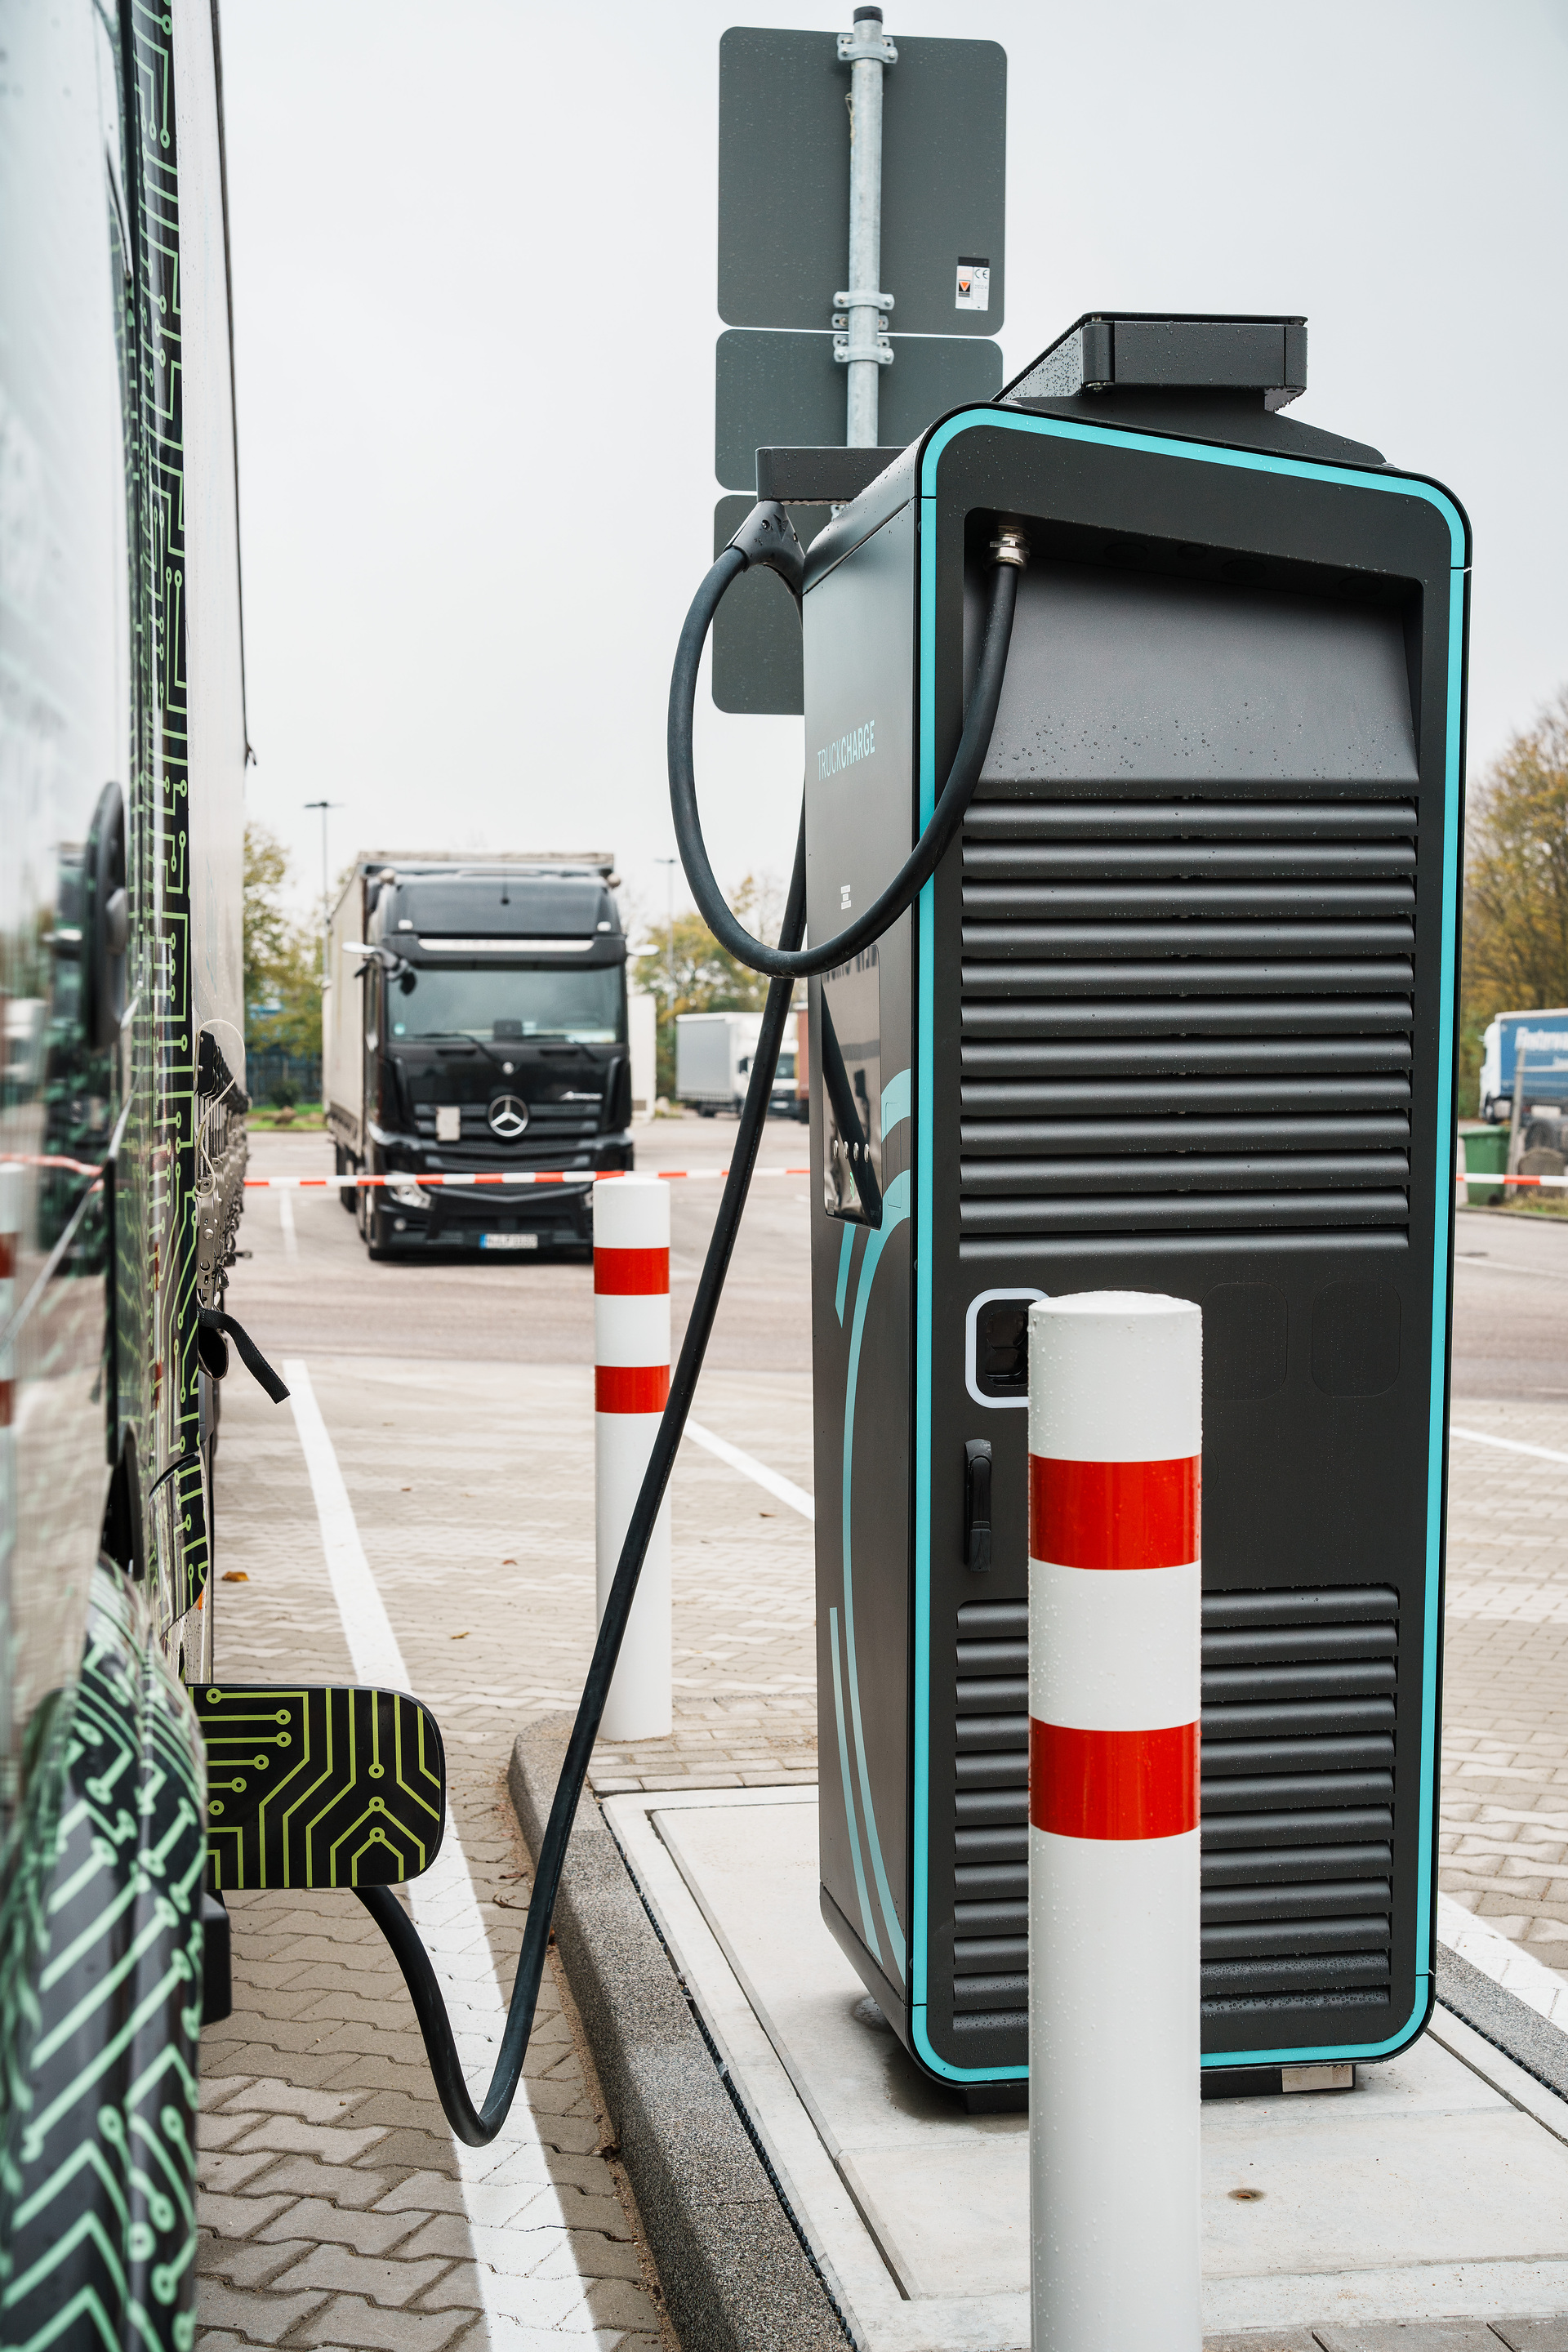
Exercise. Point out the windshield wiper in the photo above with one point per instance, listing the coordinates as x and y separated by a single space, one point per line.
469 1044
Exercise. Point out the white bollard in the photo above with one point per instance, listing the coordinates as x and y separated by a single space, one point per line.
631 1382
1115 1622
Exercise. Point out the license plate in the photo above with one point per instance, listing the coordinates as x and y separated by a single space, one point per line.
509 1241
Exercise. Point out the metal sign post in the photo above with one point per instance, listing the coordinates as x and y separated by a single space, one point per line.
860 311
818 356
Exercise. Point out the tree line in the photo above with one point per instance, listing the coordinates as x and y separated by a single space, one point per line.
282 956
1516 887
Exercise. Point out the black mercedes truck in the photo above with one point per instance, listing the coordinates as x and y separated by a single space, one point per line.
475 1030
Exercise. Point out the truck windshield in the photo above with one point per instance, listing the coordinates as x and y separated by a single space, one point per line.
490 1000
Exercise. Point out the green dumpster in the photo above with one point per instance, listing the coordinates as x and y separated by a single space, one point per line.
1485 1154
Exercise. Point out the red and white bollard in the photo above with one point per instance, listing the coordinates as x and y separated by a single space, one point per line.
1115 1622
631 1383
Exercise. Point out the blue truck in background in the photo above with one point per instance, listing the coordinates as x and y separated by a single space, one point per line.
1542 1037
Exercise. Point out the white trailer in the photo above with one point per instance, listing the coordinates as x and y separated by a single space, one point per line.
713 1059
642 1031
713 1062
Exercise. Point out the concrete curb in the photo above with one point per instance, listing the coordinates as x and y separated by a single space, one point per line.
735 2274
1499 2017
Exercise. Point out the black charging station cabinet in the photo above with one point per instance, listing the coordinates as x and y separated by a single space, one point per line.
1176 1013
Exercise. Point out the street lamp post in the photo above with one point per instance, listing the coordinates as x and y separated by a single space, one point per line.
669 865
326 909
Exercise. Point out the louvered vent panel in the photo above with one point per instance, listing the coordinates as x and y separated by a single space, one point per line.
1184 1016
991 1881
1298 1796
1298 1803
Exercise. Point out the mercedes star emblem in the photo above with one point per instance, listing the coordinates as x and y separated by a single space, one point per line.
508 1116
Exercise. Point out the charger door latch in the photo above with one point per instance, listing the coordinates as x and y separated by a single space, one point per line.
977 1503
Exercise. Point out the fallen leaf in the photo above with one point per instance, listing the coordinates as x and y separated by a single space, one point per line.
405 1490
457 1637
235 1576
508 1563
767 1515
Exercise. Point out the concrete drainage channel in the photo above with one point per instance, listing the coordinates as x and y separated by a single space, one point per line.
742 2272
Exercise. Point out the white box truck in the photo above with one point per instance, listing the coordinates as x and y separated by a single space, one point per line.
1543 1038
714 1061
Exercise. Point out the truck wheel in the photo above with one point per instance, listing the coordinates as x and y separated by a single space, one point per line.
347 1195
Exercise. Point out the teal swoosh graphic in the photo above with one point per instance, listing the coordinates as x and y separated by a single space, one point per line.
844 1255
867 1922
895 1209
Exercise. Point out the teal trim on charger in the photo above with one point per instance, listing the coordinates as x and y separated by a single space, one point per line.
1198 452
1202 453
895 1210
1314 2055
1442 1227
925 1056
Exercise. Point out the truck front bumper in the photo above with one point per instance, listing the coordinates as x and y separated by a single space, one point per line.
408 1213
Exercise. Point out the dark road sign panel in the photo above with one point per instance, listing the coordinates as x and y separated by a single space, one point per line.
756 630
781 99
788 389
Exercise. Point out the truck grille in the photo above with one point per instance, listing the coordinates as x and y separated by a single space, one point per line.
1184 1017
1297 1803
553 1130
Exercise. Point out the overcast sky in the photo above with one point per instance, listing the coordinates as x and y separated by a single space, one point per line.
474 291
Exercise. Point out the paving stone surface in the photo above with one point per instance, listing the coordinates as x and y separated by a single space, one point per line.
1505 1730
333 2210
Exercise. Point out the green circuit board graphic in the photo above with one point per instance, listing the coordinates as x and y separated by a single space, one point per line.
323 1785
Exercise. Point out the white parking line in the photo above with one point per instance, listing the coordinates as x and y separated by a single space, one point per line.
513 2232
1507 1444
286 1219
750 1468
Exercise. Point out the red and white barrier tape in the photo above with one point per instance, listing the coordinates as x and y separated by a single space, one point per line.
406 1176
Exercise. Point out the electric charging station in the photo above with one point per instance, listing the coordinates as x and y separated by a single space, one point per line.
1176 1013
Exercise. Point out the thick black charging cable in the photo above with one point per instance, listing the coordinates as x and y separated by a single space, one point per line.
475 2127
764 538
